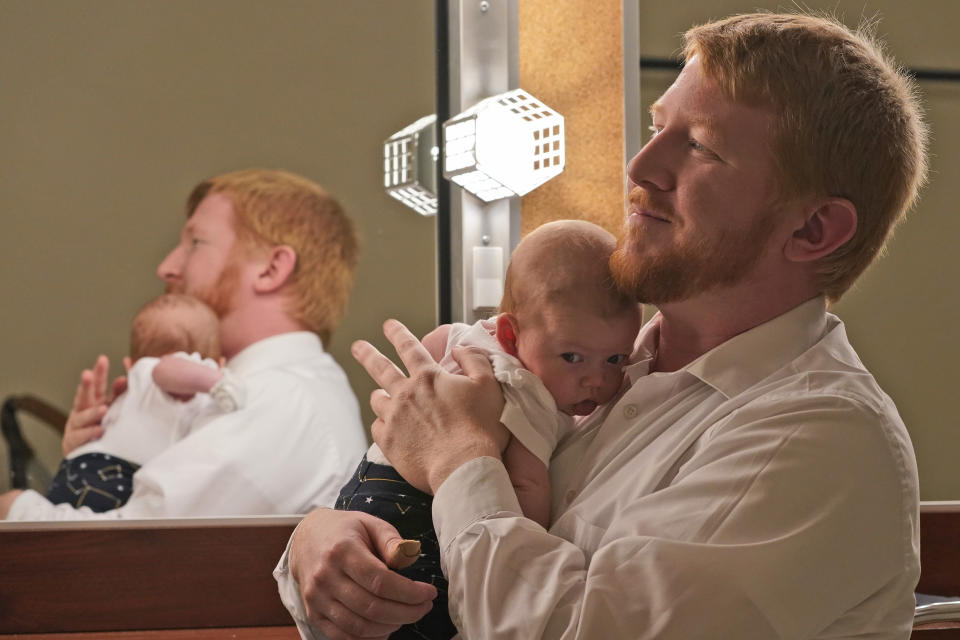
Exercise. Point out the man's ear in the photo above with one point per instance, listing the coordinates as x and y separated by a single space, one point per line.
507 333
275 268
828 224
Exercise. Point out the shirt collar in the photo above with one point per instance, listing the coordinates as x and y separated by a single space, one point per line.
275 351
746 358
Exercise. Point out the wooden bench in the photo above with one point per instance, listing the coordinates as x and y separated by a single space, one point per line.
144 579
211 579
940 563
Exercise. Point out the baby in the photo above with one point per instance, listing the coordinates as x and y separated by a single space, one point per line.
558 348
173 374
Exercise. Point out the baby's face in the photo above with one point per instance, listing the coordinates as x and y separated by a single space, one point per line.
578 355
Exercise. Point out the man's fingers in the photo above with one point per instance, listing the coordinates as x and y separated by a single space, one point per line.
379 402
412 353
76 437
100 371
118 386
331 631
363 613
83 397
379 366
474 363
339 621
399 597
90 417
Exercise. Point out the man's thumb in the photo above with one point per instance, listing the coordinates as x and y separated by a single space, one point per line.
400 553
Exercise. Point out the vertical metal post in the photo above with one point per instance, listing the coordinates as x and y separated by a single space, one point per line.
632 106
482 62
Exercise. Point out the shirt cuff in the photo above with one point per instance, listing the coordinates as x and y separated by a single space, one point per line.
229 392
290 595
30 505
474 491
20 508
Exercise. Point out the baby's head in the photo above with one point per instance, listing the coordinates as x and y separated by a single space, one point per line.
562 316
175 322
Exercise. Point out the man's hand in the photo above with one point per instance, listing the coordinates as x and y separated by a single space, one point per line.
90 403
433 421
348 590
6 501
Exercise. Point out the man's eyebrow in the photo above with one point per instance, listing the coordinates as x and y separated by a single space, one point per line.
699 122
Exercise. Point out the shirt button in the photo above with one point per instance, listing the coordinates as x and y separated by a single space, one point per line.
630 411
571 495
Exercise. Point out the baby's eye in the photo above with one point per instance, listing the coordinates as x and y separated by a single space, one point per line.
620 358
572 358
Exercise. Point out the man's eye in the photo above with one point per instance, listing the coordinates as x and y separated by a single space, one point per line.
699 148
654 130
620 358
572 358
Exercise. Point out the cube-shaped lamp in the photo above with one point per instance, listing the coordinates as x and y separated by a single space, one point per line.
503 146
410 165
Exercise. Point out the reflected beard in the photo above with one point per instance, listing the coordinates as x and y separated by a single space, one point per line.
220 295
690 268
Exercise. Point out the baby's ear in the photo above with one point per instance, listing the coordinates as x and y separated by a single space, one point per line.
127 363
507 333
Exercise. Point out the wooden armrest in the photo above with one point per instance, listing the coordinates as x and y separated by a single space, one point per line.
40 409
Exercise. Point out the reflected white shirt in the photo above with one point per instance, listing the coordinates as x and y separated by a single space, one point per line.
289 449
144 421
767 490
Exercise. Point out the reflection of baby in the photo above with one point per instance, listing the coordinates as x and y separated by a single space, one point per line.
173 375
558 348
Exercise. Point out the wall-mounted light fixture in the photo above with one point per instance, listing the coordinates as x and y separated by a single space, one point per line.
503 146
409 165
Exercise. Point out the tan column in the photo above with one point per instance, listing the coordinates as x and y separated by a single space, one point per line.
571 57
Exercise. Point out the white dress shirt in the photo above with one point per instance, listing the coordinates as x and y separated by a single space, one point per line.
766 490
289 449
144 421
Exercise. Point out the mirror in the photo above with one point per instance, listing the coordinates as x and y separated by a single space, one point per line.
902 315
113 111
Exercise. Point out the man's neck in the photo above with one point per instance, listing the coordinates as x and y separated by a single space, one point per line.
238 331
691 328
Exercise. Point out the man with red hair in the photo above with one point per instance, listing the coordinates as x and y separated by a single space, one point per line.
753 481
273 255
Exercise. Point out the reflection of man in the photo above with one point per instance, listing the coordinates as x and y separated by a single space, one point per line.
753 481
273 255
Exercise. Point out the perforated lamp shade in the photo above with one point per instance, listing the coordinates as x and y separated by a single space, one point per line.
505 145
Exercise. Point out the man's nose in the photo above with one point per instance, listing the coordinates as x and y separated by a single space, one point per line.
171 266
652 168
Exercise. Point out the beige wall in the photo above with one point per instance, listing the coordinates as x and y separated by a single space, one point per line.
902 316
112 110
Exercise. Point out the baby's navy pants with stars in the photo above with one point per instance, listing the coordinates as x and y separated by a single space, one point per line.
380 491
96 480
